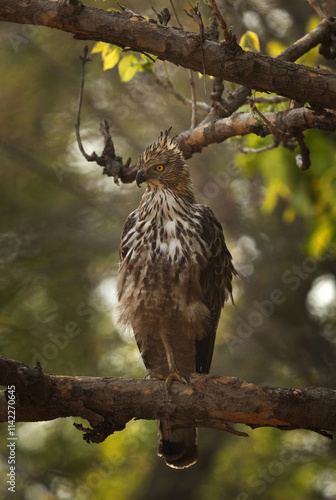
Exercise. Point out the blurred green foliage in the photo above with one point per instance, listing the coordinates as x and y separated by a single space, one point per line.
60 226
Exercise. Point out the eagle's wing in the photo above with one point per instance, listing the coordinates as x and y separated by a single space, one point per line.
125 243
215 277
125 250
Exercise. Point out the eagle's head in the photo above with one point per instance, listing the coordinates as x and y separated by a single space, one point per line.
162 166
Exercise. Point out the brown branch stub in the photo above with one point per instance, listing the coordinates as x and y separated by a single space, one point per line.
163 16
303 159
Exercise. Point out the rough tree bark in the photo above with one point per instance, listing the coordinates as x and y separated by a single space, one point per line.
226 61
210 401
222 60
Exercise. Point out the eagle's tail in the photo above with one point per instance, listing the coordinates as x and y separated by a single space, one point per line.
178 445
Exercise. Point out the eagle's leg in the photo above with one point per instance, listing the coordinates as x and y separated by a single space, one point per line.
173 371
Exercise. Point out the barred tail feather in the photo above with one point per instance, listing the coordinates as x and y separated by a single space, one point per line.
178 445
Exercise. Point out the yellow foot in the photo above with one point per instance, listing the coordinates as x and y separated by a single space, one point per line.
175 376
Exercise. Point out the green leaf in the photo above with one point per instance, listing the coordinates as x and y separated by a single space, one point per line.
250 41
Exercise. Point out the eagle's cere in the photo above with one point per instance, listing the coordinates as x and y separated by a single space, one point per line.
175 275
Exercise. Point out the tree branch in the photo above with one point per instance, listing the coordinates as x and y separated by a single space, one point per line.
225 61
291 120
209 401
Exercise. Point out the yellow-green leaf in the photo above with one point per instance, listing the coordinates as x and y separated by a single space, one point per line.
274 48
250 41
111 58
321 237
128 67
100 47
275 189
289 214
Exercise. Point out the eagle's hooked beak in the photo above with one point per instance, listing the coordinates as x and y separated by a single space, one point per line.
140 177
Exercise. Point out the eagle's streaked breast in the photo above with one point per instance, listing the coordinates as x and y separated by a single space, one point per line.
160 265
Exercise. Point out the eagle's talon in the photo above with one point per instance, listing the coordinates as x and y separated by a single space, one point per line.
172 377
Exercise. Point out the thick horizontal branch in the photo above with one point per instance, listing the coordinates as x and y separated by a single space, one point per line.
222 60
208 400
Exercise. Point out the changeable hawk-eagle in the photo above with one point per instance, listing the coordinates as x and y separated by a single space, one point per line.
175 275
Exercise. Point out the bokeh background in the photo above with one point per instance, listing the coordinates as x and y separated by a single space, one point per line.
60 224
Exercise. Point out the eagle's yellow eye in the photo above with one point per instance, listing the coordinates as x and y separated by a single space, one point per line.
159 168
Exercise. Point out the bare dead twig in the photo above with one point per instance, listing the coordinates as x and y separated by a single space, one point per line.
273 145
193 100
197 16
113 165
190 73
84 59
321 10
168 85
276 99
280 134
175 14
227 35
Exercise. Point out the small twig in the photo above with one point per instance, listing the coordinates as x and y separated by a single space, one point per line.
199 20
84 59
274 131
322 11
193 100
191 78
227 35
128 49
167 85
217 101
274 144
277 99
175 14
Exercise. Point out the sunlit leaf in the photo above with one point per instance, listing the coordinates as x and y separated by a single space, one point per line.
128 67
112 58
321 237
100 47
274 48
275 189
313 22
289 214
250 41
